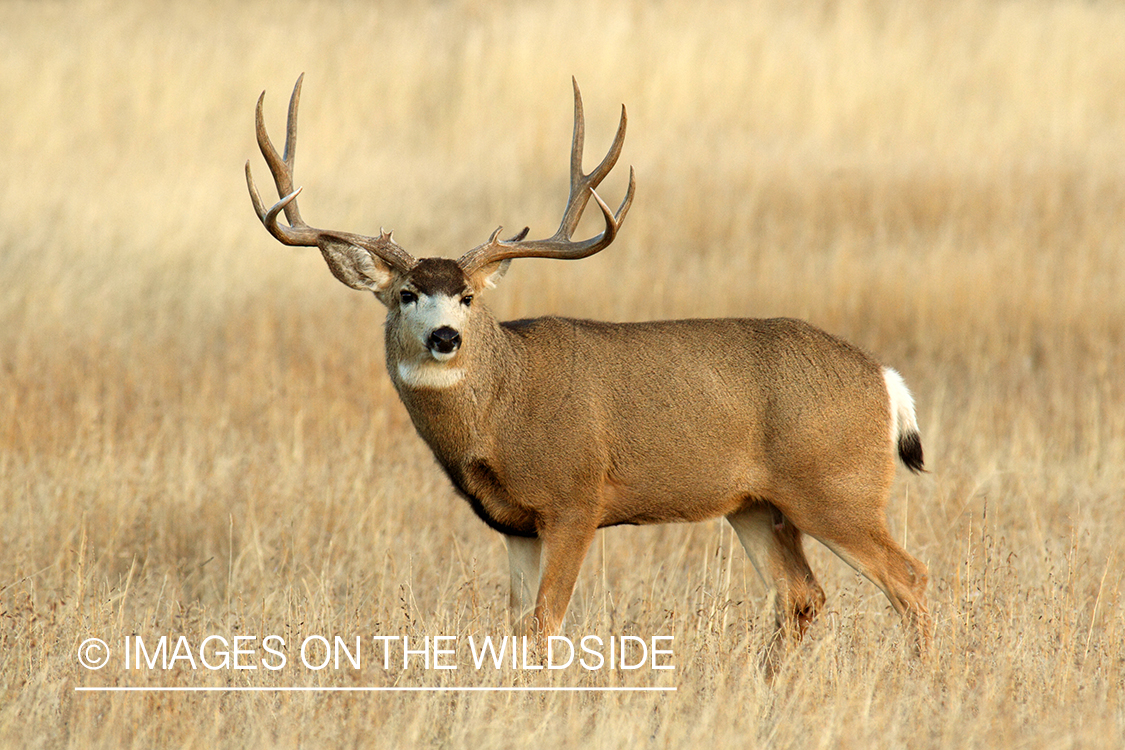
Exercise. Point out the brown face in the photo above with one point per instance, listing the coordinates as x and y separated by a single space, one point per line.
433 303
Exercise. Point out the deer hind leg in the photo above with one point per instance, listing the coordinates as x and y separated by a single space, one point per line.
858 534
524 562
773 544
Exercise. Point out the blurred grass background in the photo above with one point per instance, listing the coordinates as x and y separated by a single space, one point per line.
197 434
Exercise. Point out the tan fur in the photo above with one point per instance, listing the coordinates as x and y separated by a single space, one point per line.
675 421
554 428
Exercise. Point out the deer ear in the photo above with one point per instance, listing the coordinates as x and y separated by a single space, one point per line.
488 276
355 266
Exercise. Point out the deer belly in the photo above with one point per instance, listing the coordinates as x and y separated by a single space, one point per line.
669 501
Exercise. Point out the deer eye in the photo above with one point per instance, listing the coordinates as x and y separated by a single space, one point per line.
407 296
467 300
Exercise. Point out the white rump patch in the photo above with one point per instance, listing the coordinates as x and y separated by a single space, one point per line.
430 374
903 420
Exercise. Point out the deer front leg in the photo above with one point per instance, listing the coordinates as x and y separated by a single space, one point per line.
565 546
524 558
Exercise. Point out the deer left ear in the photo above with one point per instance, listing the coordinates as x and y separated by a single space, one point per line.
488 276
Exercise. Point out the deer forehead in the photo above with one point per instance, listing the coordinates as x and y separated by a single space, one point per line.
438 277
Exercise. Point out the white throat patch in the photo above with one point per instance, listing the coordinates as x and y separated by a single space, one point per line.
431 374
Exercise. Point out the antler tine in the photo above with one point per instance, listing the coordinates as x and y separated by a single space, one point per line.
582 184
281 167
292 213
582 187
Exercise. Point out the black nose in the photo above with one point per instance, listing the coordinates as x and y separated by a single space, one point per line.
444 340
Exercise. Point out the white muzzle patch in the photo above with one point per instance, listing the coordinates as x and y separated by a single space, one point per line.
428 367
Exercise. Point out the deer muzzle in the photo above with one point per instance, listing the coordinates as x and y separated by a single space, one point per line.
444 340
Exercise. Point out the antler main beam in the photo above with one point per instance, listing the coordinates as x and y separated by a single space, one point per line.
297 232
582 188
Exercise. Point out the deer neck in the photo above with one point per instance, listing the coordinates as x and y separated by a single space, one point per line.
454 405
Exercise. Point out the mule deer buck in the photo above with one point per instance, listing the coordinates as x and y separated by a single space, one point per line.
553 428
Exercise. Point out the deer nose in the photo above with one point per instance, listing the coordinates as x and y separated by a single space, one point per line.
444 340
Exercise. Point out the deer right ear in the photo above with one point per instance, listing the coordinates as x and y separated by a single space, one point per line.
355 266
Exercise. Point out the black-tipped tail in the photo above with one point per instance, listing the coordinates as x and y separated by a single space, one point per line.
910 451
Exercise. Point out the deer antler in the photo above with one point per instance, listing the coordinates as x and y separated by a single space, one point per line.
560 244
298 232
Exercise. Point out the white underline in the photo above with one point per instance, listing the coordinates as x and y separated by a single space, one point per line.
300 689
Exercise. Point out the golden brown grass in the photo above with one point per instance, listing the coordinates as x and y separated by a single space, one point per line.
197 436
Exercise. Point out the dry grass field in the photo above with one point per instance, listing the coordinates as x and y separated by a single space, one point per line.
198 437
